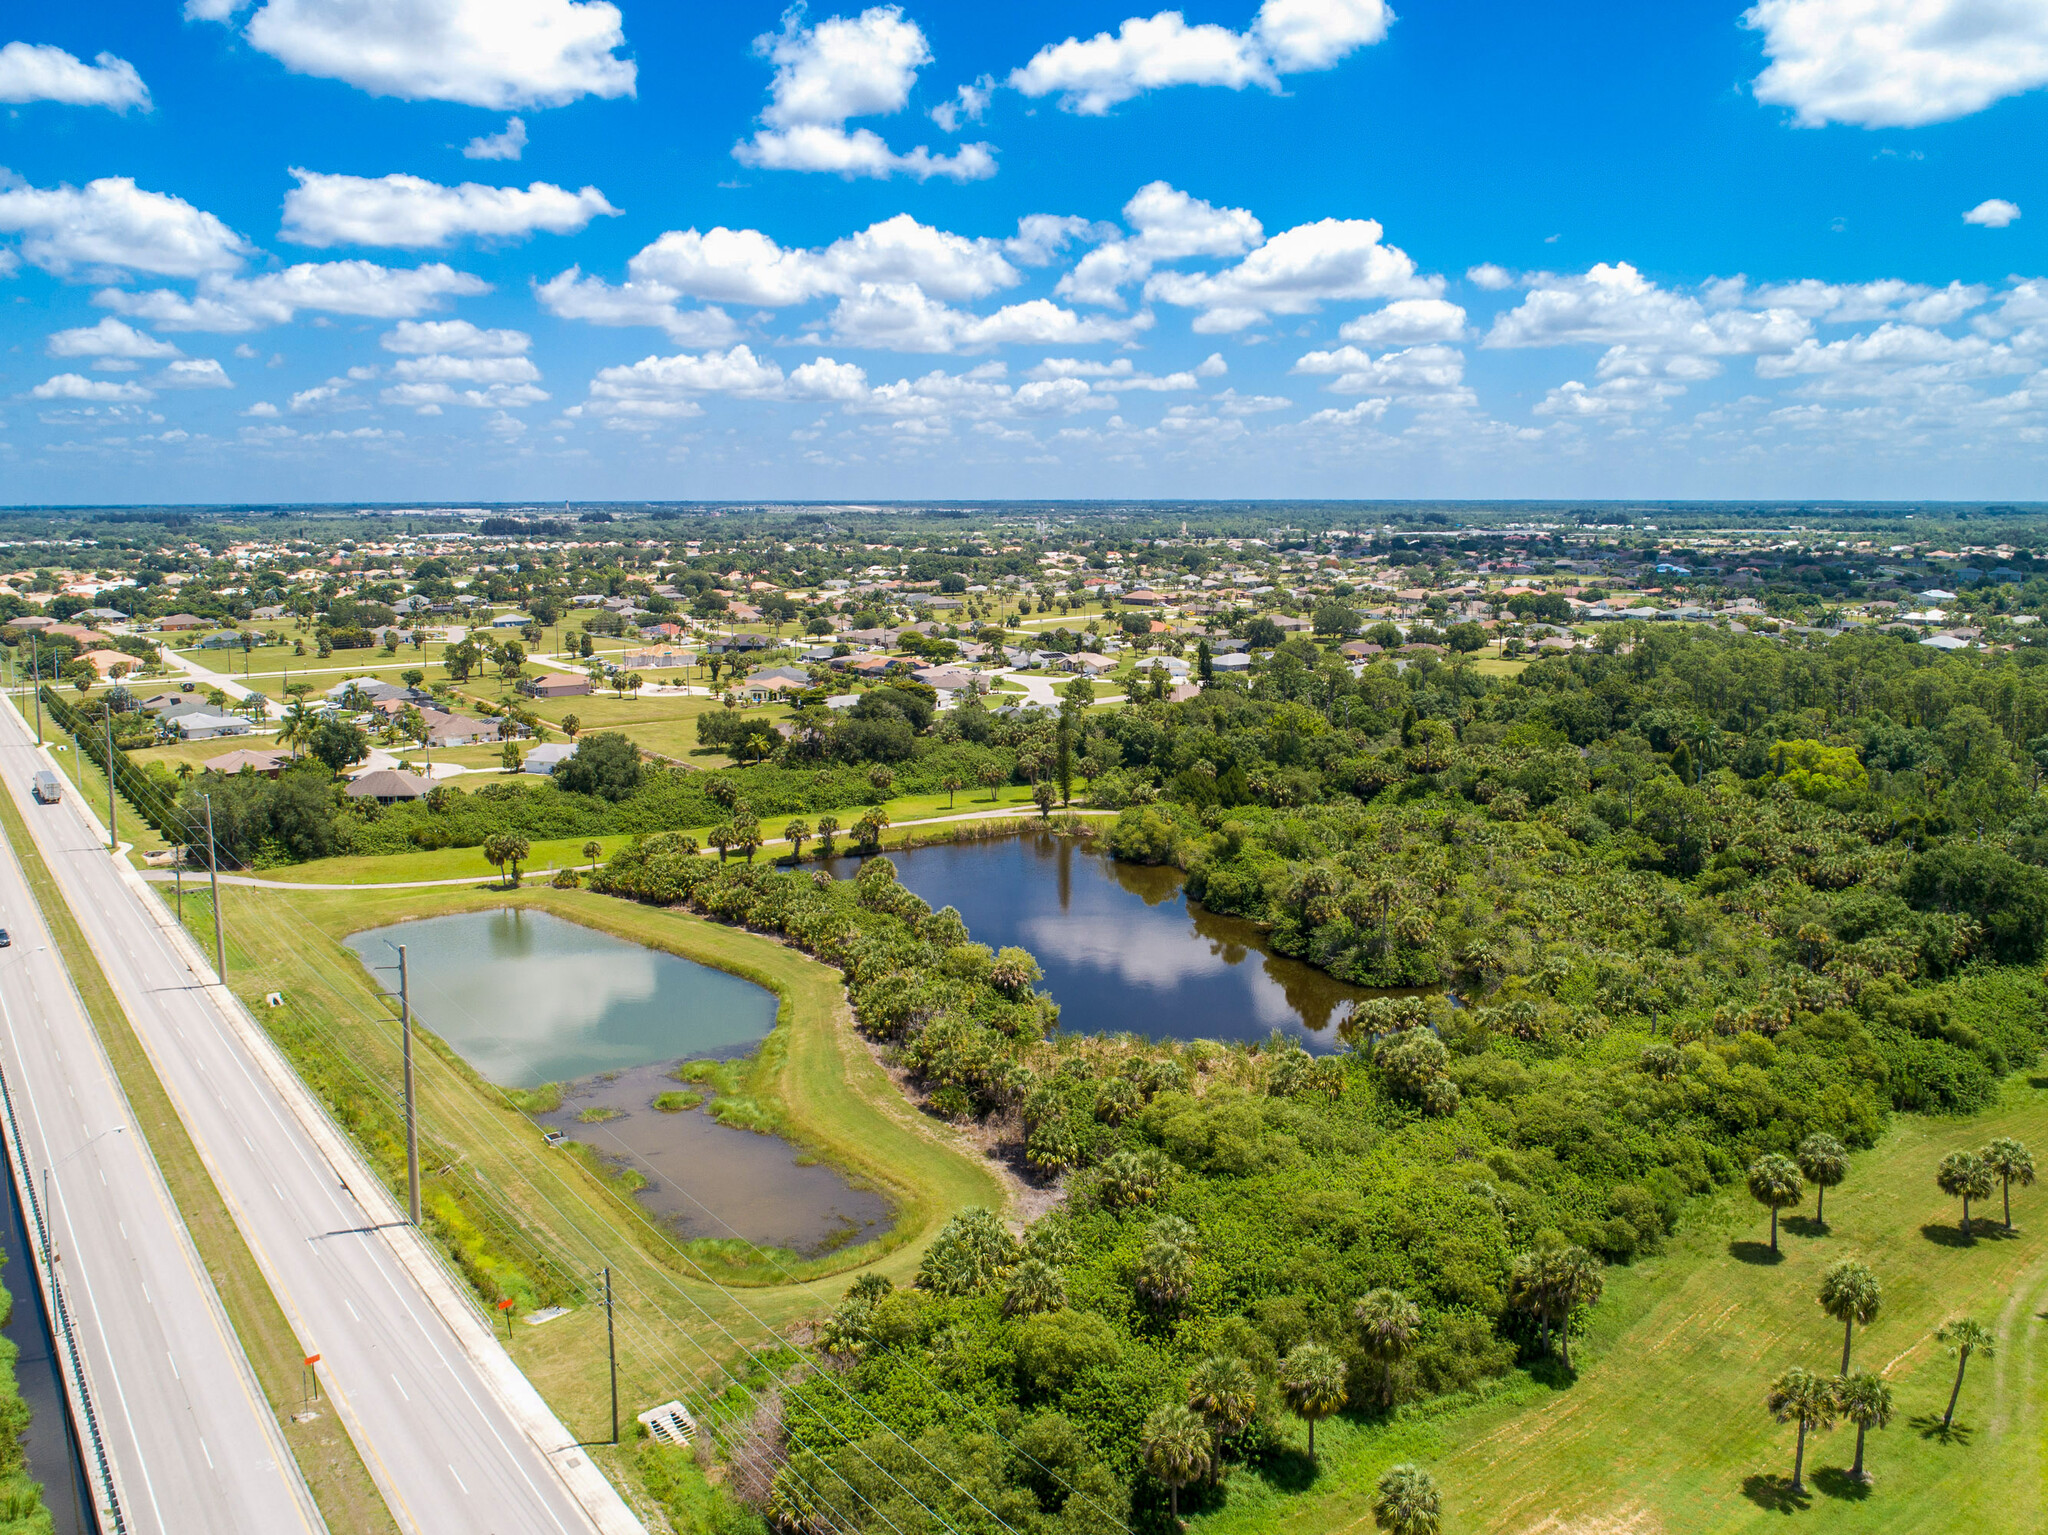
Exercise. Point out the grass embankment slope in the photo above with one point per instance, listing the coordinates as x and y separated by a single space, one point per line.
555 1215
1665 1430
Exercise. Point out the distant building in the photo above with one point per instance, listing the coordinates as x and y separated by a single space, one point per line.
387 787
544 759
268 763
554 685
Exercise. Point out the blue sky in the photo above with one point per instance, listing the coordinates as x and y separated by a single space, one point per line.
301 249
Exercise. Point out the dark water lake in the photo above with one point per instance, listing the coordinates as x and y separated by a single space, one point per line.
526 998
1123 949
52 1454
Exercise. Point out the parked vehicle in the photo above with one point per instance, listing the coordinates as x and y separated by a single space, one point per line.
47 787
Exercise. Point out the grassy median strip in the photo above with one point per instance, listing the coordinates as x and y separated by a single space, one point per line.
341 1484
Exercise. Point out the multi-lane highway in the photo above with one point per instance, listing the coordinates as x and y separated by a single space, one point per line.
455 1437
191 1442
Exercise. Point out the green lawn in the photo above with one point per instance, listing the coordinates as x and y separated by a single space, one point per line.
565 852
814 1079
1665 1430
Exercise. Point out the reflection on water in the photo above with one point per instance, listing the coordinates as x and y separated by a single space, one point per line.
1123 948
710 1180
47 1442
526 997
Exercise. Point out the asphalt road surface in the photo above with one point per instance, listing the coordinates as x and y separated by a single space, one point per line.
192 1442
456 1440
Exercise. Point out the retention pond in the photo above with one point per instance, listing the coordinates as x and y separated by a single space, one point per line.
1123 948
528 998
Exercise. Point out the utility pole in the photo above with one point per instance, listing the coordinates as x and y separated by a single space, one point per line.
113 827
412 1124
611 1348
220 947
35 657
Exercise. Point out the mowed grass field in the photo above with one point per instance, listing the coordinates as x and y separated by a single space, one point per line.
1665 1429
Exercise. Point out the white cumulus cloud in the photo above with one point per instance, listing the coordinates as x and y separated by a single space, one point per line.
1295 272
1406 322
195 373
41 72
1897 63
455 337
1152 52
1616 305
112 223
412 213
508 145
847 67
109 339
233 304
483 53
76 386
571 295
1993 213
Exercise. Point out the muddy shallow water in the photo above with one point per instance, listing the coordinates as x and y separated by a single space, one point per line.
1123 949
710 1180
527 997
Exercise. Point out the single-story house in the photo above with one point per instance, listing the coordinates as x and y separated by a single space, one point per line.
1173 666
1946 642
947 679
510 621
83 637
656 658
184 621
554 685
376 690
268 763
387 787
1231 661
743 642
30 621
204 725
544 759
104 661
456 729
269 613
1358 650
773 682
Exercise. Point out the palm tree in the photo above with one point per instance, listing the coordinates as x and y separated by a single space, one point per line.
516 849
1866 1402
796 834
2012 1163
593 851
1388 1321
1176 1447
1224 1392
1575 1276
951 786
1963 1338
1802 1397
1032 1287
494 852
993 776
1774 1181
827 825
1850 1294
1964 1175
1406 1502
1825 1163
1312 1383
1166 1271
